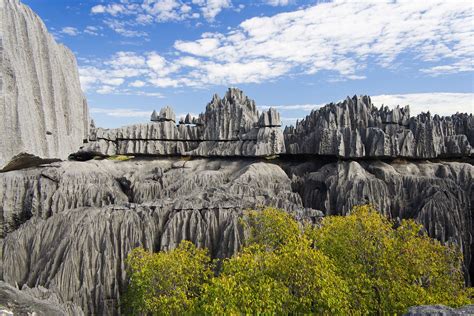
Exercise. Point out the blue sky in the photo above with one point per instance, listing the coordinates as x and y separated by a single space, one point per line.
138 55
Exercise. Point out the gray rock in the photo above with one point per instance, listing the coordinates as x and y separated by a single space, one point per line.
34 301
355 128
167 114
440 310
154 116
42 106
78 249
229 127
86 216
270 118
437 195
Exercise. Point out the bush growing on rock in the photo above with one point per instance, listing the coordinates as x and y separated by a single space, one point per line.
360 263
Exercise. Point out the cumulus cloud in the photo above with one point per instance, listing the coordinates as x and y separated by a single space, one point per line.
93 30
69 30
431 37
211 8
137 113
137 84
435 103
276 3
125 16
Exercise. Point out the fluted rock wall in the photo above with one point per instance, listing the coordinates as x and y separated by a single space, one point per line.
438 195
230 126
42 106
78 249
75 242
355 128
35 301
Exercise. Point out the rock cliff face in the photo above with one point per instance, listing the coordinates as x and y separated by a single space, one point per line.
230 126
437 195
355 128
79 232
42 107
69 226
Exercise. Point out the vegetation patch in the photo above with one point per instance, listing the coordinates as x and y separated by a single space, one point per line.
356 264
120 158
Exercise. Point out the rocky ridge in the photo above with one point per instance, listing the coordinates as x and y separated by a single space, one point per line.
43 110
351 129
355 128
230 126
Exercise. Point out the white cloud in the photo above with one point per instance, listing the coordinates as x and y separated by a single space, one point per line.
432 37
441 103
436 102
92 30
276 3
126 14
322 38
113 81
69 30
120 27
106 90
211 8
137 84
292 107
121 112
112 9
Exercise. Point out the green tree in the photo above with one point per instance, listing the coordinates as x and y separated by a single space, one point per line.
390 269
356 264
277 272
166 282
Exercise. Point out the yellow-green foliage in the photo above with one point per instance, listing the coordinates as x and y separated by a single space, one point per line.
390 269
356 264
166 282
120 158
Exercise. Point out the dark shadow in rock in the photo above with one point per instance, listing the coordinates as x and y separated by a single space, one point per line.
25 160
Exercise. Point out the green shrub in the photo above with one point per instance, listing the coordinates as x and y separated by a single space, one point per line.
355 264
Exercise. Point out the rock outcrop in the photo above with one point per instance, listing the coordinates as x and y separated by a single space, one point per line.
42 107
440 310
35 301
76 238
355 128
438 195
230 126
69 226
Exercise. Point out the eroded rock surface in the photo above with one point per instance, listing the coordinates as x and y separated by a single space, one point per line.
440 310
439 195
230 126
86 216
78 249
35 301
355 128
42 107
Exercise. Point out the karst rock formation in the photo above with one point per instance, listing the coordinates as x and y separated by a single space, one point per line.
66 226
42 108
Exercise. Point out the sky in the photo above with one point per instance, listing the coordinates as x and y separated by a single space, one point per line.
138 55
